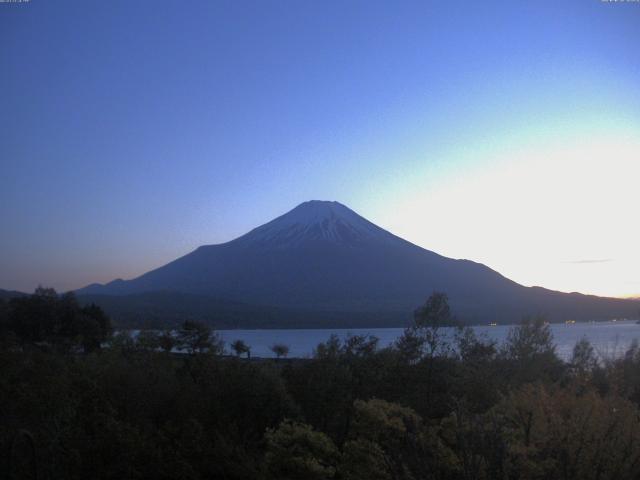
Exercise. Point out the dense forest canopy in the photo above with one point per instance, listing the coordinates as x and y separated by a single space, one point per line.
78 402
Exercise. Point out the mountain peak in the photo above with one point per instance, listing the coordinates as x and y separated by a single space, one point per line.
314 211
324 257
316 221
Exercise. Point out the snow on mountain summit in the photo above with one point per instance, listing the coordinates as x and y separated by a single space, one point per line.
316 221
324 257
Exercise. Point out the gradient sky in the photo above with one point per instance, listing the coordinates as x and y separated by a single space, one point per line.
132 132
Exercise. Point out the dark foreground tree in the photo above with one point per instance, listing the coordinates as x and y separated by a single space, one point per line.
356 411
196 337
531 353
56 321
425 336
280 350
583 359
241 348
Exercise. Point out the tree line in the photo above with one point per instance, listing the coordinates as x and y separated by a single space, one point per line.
78 401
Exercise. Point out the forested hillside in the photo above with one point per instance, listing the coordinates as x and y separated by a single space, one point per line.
77 402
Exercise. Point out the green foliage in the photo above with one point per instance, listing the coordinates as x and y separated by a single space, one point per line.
363 459
556 434
196 337
295 451
410 345
478 381
425 336
583 359
137 407
339 374
474 350
435 312
531 338
399 444
530 353
54 321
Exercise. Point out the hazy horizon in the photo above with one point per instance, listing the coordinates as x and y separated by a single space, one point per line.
500 132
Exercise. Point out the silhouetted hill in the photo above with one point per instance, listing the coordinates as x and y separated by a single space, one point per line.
169 309
9 294
322 257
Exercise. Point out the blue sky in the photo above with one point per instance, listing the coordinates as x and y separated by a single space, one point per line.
132 132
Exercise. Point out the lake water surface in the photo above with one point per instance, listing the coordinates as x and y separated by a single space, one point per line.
608 338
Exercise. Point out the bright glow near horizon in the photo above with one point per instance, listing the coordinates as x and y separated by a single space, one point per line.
562 214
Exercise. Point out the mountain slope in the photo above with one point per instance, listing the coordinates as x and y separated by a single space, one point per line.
322 256
9 294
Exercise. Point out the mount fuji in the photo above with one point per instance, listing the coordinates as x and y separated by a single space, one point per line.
324 258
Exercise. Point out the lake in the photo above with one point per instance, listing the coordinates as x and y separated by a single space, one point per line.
607 338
